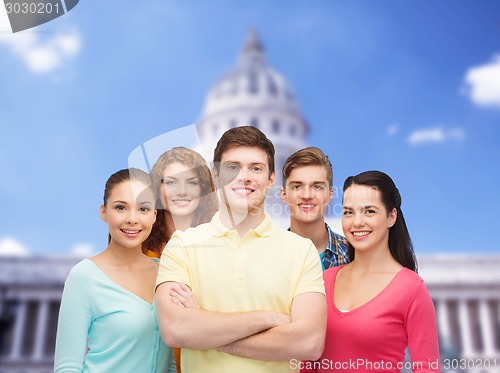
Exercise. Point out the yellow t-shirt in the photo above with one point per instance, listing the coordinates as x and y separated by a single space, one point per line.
264 270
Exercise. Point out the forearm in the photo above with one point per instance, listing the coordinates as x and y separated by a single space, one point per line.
201 329
282 343
302 339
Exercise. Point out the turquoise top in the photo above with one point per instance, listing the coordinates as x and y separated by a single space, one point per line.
121 328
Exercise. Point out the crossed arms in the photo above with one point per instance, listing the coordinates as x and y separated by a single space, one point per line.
262 335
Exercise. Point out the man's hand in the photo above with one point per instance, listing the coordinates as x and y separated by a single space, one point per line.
182 294
303 338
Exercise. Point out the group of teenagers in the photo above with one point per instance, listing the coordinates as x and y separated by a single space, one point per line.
194 265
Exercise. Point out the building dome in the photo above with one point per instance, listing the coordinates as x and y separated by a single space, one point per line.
251 84
255 94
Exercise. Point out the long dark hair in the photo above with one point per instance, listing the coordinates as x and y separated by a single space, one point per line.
400 244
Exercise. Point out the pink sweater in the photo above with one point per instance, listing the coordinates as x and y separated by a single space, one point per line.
373 337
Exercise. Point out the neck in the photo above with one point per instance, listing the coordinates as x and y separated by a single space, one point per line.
241 221
180 223
374 260
315 231
122 255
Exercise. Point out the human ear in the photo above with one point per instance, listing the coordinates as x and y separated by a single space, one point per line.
283 194
272 179
393 215
102 213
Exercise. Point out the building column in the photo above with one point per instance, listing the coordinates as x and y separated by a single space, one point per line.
41 328
496 321
487 327
443 322
465 329
18 333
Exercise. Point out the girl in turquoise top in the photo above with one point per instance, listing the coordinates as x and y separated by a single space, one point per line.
107 320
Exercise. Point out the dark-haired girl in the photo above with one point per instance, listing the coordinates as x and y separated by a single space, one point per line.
107 321
377 304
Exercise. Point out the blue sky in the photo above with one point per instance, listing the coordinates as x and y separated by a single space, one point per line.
411 88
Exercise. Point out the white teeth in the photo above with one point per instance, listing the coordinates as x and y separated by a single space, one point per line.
360 234
242 191
129 232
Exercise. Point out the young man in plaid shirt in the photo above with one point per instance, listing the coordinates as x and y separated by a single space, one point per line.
307 190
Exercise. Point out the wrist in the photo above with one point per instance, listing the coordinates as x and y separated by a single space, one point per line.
277 319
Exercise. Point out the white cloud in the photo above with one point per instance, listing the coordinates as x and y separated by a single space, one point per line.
11 247
83 250
40 56
436 135
483 83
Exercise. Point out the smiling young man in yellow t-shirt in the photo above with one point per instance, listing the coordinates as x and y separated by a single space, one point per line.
257 298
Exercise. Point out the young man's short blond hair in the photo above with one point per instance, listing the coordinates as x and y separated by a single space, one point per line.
310 156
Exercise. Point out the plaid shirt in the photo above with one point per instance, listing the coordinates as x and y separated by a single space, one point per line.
335 253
